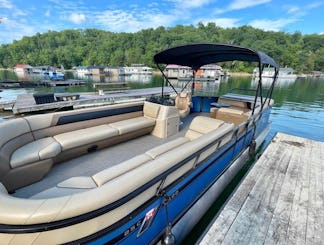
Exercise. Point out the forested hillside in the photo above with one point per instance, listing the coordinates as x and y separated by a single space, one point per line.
70 48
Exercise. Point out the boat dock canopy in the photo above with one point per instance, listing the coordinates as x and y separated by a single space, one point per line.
197 55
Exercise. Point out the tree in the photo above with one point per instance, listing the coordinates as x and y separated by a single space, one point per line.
91 46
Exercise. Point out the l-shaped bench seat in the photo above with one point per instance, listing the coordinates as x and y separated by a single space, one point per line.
30 146
84 194
202 131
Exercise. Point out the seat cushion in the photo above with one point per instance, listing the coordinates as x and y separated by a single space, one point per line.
85 136
111 173
159 150
202 125
133 124
80 182
230 111
34 151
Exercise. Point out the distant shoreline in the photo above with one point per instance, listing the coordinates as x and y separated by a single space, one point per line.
240 74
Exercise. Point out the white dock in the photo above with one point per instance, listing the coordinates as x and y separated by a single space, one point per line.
280 201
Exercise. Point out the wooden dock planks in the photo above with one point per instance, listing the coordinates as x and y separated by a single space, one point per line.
280 201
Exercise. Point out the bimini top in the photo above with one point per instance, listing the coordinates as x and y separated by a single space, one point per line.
197 55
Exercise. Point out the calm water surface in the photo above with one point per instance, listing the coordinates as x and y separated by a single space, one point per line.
298 108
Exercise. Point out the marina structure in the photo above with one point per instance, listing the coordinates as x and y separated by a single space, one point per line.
22 68
280 201
82 70
138 69
208 72
114 71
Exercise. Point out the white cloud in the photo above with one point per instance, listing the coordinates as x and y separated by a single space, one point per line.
271 25
6 4
191 4
222 22
242 4
293 9
122 21
314 5
195 3
117 20
14 30
48 13
77 18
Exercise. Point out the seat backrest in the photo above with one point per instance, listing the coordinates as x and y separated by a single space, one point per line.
13 134
151 110
183 103
183 100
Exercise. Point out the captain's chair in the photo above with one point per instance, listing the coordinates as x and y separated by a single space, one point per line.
183 103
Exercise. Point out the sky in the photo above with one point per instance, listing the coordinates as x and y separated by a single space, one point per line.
20 18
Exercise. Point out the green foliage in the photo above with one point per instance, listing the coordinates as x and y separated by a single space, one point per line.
70 48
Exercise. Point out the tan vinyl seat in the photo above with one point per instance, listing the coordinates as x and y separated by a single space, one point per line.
35 151
232 115
231 111
132 124
111 173
84 136
30 146
159 150
183 103
202 125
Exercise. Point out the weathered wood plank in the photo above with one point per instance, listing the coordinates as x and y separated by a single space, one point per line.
227 217
315 205
280 201
296 231
255 213
277 232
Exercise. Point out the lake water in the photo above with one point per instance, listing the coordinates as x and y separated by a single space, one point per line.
298 108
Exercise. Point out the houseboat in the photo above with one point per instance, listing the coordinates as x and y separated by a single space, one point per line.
209 72
22 68
285 73
49 72
138 69
133 173
114 71
176 71
82 70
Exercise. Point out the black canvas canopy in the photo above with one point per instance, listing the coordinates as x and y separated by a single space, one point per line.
197 55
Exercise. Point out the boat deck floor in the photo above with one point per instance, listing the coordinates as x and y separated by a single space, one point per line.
92 163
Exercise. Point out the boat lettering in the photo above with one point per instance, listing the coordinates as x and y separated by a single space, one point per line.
147 221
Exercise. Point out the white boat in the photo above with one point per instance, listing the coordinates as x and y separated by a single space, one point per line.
49 72
138 69
22 68
129 173
285 73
